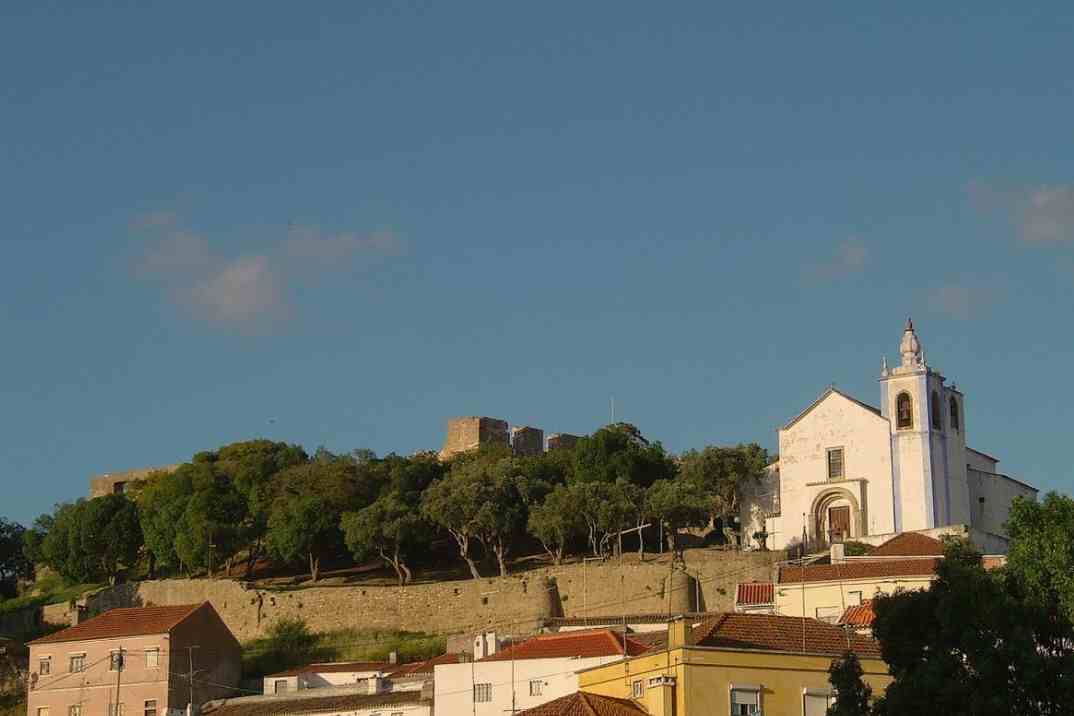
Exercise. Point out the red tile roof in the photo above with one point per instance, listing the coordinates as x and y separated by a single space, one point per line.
791 574
861 615
596 642
336 703
778 633
753 593
335 667
909 544
423 667
583 703
117 623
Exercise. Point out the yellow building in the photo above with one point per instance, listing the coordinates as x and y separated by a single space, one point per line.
825 591
740 664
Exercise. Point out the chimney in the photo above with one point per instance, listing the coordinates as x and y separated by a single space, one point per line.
677 631
838 553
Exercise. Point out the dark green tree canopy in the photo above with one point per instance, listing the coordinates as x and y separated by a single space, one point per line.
620 452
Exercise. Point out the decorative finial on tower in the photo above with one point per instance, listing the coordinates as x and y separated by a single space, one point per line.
910 347
883 366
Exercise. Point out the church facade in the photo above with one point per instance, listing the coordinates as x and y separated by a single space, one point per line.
848 470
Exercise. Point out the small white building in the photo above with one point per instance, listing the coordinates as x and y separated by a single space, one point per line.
526 674
849 470
320 676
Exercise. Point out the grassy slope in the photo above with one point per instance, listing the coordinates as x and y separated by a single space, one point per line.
51 590
263 656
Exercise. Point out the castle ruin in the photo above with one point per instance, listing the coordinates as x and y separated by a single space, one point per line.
473 432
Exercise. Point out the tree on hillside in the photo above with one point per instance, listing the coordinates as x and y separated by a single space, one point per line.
1041 557
723 472
557 522
391 528
605 511
679 504
639 511
853 695
162 502
210 531
620 452
111 535
61 547
971 644
302 527
33 538
13 562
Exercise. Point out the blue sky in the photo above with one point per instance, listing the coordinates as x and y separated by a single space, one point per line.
341 223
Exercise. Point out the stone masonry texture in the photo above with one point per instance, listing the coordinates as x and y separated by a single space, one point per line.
472 432
514 604
106 484
561 440
527 441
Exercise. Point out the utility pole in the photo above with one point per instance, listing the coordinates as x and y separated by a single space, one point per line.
117 657
190 653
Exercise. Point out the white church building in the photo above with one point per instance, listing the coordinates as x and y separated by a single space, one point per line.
850 471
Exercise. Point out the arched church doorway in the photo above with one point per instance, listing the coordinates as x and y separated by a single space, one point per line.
836 516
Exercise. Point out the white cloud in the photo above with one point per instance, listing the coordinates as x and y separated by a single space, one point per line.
1047 215
244 291
963 300
851 257
249 291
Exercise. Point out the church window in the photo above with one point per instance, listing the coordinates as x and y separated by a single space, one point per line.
835 464
936 410
904 411
954 414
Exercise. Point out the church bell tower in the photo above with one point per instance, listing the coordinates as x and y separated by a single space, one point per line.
927 440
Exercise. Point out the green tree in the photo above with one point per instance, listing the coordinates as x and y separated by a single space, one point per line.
679 504
853 695
13 562
391 528
111 535
1041 557
302 527
971 644
620 452
61 547
34 538
162 502
479 500
605 511
557 522
639 511
723 472
211 528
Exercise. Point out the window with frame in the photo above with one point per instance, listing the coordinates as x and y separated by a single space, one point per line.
637 689
150 707
115 709
397 713
280 686
829 614
536 687
482 693
904 411
745 701
815 703
74 710
44 665
152 658
836 468
936 410
954 414
42 711
76 663
115 661
854 599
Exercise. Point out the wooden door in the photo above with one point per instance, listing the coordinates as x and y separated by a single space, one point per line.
838 523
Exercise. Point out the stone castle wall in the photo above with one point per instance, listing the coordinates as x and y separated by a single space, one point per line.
527 441
471 432
515 604
113 482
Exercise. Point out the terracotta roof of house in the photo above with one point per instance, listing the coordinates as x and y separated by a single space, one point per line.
752 593
770 632
275 706
335 667
133 621
582 703
793 574
861 615
909 544
595 642
423 667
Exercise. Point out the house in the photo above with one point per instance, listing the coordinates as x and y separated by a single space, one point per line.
340 701
859 618
825 591
581 703
849 470
736 664
134 662
527 673
319 676
755 598
417 675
